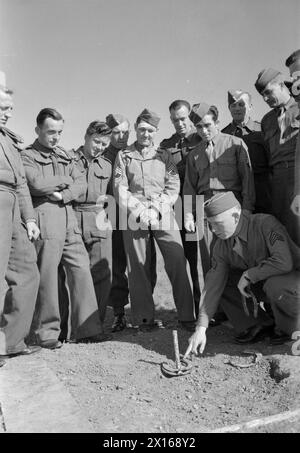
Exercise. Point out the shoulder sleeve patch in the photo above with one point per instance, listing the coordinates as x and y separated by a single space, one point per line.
274 236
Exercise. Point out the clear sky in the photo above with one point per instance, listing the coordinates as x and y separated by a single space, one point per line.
88 58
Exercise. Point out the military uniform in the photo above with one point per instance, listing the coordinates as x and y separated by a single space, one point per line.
252 136
280 130
221 166
180 147
17 254
262 247
88 207
141 181
60 240
119 290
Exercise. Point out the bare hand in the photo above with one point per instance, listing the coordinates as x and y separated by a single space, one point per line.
33 230
243 283
55 196
197 342
189 225
295 206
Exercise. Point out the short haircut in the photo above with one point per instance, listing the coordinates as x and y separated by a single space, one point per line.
214 112
178 104
48 113
98 127
292 58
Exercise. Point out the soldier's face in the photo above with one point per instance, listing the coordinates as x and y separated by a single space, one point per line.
145 133
181 121
207 129
6 107
274 94
240 110
224 225
120 135
50 132
95 144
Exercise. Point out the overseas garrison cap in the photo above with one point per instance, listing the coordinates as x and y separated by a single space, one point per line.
220 203
234 95
199 111
149 117
265 76
114 119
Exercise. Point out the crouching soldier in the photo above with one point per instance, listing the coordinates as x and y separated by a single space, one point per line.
54 182
89 209
253 258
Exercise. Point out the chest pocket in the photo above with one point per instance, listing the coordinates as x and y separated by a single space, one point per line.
102 176
62 168
227 167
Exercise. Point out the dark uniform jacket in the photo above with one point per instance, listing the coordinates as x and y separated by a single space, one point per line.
180 148
282 144
260 245
252 135
12 174
230 170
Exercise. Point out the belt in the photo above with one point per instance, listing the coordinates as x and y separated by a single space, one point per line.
88 207
284 165
8 187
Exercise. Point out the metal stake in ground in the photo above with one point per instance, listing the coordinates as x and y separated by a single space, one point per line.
182 365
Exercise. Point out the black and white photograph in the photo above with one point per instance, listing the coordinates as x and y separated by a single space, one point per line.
149 219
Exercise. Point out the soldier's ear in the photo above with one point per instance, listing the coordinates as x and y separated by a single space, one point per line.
37 130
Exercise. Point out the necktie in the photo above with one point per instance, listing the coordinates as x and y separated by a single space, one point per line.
210 151
238 131
280 119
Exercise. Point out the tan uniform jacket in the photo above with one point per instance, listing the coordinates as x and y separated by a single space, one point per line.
146 180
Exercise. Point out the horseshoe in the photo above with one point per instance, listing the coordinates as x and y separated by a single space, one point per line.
182 367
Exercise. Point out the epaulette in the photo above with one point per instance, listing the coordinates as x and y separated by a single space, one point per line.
17 139
69 155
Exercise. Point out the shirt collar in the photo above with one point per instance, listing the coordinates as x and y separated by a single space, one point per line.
216 138
289 103
44 150
189 136
82 156
249 125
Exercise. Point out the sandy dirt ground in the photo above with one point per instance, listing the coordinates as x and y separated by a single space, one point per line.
120 388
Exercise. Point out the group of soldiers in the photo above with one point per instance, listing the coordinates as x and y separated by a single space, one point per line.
79 228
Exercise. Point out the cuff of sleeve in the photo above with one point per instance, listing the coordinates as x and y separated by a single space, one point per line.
203 321
67 196
30 220
253 275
